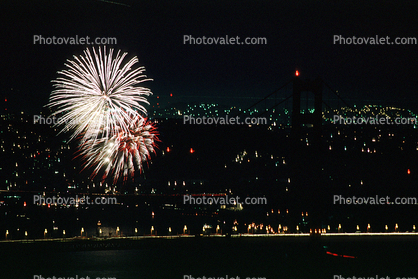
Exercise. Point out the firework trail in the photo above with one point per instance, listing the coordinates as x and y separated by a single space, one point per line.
98 92
123 153
116 3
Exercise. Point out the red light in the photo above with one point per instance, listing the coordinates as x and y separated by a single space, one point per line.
168 149
409 171
191 150
24 203
171 94
337 255
297 73
5 99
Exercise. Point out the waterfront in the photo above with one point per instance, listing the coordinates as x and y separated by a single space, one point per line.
255 257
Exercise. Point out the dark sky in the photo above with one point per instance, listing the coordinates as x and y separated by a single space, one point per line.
299 36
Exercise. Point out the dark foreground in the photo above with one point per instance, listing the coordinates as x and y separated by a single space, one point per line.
269 258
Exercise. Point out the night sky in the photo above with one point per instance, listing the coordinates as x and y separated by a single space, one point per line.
299 36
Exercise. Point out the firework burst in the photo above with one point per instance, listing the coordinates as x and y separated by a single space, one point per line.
123 153
98 92
98 99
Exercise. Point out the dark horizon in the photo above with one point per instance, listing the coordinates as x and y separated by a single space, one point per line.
299 37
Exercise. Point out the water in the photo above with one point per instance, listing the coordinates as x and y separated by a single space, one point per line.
269 258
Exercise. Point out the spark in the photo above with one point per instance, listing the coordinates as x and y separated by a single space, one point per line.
98 91
123 153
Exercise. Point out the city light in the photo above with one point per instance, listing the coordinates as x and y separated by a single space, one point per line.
83 136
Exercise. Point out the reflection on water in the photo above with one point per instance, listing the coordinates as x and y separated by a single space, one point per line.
244 257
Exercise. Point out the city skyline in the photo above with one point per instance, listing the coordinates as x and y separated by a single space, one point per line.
208 139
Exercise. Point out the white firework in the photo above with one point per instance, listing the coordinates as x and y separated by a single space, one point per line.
98 93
